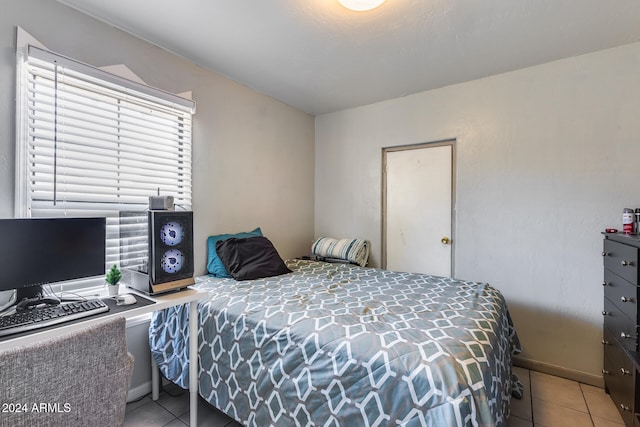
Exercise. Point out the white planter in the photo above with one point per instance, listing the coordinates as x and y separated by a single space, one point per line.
113 289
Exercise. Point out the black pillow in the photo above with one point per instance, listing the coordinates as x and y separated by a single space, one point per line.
250 258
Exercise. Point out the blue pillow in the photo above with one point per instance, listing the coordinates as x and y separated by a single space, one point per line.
214 265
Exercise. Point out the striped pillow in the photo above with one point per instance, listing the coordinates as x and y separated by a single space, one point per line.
353 250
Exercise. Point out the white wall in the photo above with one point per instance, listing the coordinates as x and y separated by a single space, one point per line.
547 157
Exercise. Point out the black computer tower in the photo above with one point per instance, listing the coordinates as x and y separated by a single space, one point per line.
168 264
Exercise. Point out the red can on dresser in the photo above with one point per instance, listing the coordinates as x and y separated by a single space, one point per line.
628 221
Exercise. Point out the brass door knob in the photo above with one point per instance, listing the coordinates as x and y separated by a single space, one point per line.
445 240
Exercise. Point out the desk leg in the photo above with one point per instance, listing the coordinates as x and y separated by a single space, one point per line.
193 363
155 380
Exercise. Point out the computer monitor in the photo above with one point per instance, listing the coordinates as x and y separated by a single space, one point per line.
38 251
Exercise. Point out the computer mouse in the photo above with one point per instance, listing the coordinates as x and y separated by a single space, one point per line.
125 299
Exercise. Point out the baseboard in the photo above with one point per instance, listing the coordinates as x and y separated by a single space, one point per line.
139 391
559 371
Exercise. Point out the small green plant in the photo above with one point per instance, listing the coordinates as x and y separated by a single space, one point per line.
114 275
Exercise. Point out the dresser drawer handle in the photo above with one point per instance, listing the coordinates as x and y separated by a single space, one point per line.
625 299
604 253
624 371
605 372
604 283
624 335
606 313
604 342
624 407
626 263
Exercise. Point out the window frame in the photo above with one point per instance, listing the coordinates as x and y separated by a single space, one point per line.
24 133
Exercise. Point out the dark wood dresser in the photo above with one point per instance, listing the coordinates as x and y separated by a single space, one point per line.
620 336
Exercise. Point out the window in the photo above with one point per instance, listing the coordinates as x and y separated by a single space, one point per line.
94 144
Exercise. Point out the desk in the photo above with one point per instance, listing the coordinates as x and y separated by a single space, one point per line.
190 296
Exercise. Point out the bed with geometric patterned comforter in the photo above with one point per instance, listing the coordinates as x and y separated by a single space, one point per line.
340 345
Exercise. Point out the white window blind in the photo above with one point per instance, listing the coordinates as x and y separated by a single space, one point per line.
95 144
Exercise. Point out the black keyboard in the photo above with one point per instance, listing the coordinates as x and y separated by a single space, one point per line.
41 317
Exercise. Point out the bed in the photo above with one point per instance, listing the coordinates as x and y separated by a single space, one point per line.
342 345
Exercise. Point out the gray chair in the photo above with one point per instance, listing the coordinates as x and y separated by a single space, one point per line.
78 379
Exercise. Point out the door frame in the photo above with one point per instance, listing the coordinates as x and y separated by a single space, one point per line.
385 150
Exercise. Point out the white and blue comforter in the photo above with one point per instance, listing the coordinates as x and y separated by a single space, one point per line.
339 345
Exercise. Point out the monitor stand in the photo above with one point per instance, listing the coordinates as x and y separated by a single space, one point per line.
33 296
29 293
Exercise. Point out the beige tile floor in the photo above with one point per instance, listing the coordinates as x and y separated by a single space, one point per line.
557 402
172 410
548 402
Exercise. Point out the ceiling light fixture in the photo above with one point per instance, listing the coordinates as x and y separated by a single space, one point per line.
361 5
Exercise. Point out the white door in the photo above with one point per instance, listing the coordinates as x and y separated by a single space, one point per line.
417 198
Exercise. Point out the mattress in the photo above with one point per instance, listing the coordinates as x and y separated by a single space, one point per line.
341 345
